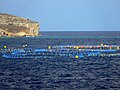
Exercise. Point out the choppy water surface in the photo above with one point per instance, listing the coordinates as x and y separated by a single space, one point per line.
61 73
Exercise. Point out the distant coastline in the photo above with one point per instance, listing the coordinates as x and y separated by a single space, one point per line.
14 26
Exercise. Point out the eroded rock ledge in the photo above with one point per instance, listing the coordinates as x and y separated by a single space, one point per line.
11 25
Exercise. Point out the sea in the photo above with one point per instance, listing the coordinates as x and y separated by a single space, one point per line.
92 73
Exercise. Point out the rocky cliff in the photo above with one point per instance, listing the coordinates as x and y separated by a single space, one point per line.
11 25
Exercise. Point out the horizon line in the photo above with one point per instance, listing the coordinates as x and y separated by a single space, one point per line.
78 31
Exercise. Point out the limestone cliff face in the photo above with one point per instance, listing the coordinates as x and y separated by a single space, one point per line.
11 25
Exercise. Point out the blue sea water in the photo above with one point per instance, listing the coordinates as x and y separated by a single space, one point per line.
94 73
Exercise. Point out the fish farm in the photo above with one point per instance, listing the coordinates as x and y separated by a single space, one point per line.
68 51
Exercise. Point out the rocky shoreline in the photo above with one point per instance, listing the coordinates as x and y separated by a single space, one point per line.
12 26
